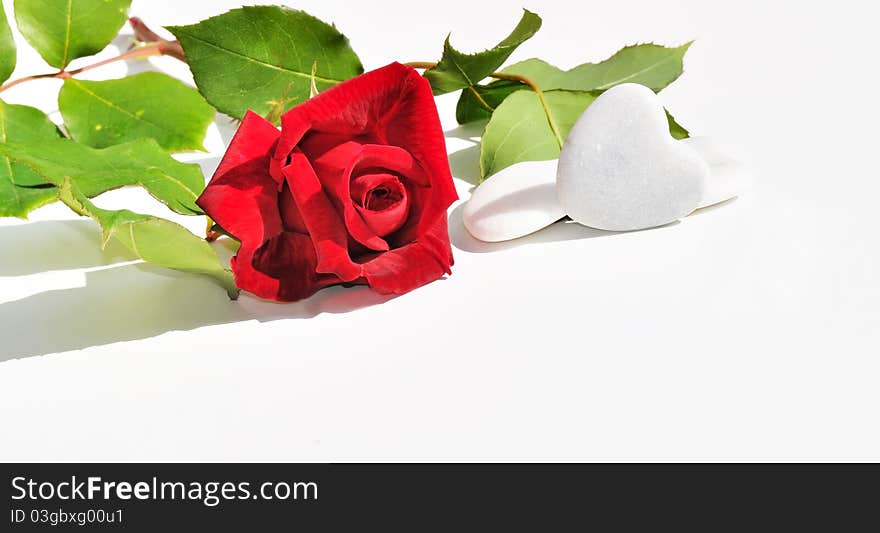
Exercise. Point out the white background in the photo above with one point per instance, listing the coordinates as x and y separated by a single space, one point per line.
747 332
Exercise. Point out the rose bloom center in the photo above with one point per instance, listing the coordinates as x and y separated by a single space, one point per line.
382 201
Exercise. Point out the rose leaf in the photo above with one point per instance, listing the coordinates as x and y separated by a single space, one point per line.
651 65
479 101
519 129
147 105
7 47
64 31
457 70
260 57
155 240
21 188
94 171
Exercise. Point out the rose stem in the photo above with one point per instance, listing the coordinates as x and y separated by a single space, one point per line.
420 64
153 48
540 93
511 77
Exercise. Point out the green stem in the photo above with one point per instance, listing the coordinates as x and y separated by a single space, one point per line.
13 83
480 99
534 86
153 49
420 64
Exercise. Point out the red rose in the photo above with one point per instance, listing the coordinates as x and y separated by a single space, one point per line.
353 189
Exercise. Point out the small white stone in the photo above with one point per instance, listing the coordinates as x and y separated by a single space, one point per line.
517 201
728 178
620 169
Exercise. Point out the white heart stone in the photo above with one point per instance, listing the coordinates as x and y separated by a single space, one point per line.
621 170
728 178
517 201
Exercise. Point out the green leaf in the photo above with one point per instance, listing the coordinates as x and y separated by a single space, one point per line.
152 239
94 171
63 30
148 105
313 89
519 130
21 189
651 65
456 70
7 47
259 57
478 101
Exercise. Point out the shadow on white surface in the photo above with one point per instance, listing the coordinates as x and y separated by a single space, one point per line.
472 131
226 126
126 302
465 163
208 164
56 245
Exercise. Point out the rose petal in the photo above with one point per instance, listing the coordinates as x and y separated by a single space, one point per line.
325 226
243 199
414 125
336 167
355 107
403 269
291 218
390 214
362 185
290 259
333 170
240 196
293 127
254 139
394 105
392 158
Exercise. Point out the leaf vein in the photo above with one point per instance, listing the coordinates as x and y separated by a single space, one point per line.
111 105
264 63
609 84
67 33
